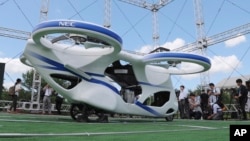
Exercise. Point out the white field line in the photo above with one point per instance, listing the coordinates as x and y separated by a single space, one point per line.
35 121
4 116
200 127
13 135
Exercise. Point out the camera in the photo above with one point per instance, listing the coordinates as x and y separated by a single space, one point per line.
177 92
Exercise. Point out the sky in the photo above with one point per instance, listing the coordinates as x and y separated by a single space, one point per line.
176 28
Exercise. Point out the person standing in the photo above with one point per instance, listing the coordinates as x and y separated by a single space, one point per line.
214 94
183 103
241 98
204 103
15 96
59 101
46 99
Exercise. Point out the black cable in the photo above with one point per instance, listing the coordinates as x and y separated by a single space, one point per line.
132 26
77 12
15 56
176 19
244 10
10 61
4 2
215 18
83 9
180 27
234 68
29 24
9 77
27 19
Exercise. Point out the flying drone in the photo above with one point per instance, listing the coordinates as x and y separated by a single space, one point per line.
91 59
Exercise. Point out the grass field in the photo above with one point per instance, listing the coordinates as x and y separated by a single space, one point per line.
34 127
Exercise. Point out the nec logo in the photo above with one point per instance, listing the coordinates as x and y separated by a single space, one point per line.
239 132
66 23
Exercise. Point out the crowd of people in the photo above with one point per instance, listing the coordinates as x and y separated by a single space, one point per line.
208 104
47 92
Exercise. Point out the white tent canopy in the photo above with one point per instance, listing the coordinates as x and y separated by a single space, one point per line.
228 83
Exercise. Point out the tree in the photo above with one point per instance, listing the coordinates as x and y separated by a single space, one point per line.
5 95
27 80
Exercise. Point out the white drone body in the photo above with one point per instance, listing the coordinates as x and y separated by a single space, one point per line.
89 65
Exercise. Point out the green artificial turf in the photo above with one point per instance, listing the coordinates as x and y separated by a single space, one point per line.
32 127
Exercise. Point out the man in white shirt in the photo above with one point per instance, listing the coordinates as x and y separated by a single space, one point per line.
183 103
46 99
217 111
214 93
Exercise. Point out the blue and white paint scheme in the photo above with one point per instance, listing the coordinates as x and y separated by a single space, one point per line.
88 60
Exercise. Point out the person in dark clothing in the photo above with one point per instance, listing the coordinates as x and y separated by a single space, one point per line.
204 102
241 98
59 101
204 97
